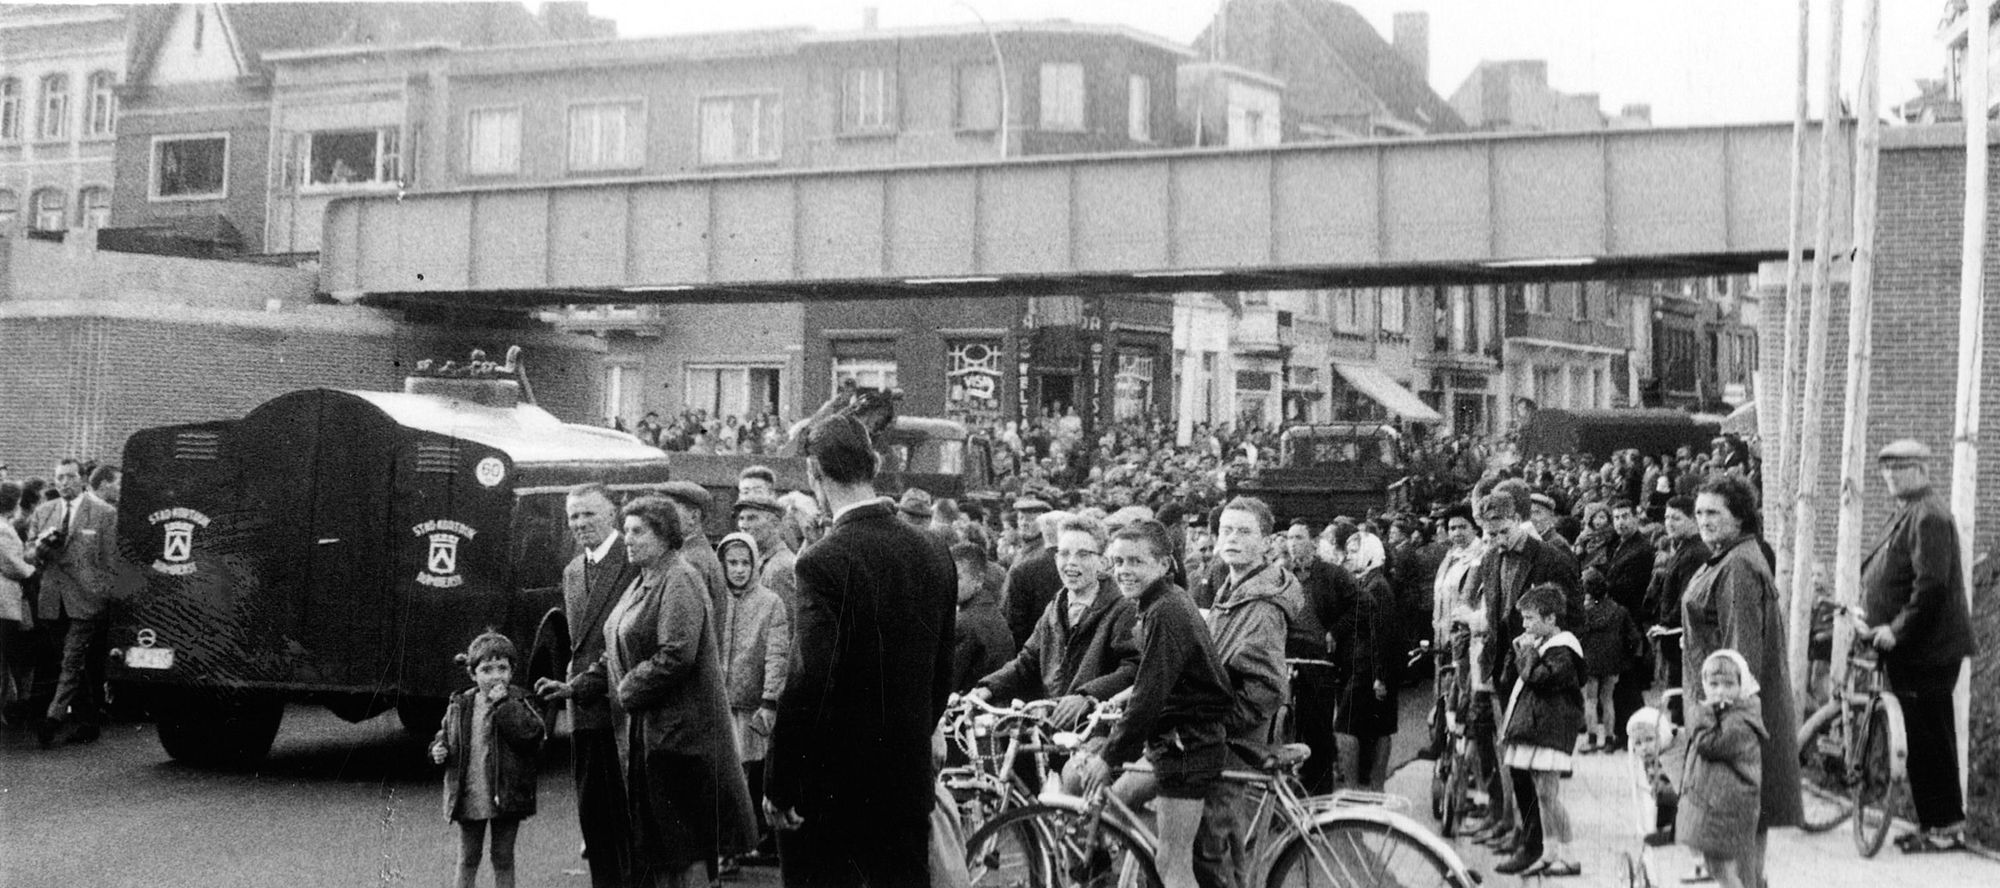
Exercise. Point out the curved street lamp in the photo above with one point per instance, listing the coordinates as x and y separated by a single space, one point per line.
999 72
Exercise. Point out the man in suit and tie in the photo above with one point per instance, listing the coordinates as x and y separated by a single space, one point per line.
592 583
848 780
76 544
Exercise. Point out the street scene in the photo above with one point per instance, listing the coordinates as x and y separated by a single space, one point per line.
998 443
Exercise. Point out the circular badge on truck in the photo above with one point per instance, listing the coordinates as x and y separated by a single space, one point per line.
490 471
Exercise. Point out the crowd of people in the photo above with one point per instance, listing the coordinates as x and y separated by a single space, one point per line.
58 571
774 695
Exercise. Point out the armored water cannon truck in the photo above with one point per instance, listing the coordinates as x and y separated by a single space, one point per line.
339 547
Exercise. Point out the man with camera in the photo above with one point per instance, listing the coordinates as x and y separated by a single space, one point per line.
75 541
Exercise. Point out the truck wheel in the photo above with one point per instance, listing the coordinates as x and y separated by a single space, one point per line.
421 716
234 735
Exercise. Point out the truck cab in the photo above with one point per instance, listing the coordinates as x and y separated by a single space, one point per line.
1326 470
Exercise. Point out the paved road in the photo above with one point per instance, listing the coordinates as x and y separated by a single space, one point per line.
335 806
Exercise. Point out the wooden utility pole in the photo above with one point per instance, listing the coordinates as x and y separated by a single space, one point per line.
1971 329
1806 522
1860 320
1781 451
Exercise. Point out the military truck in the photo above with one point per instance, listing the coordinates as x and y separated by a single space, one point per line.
1326 470
339 547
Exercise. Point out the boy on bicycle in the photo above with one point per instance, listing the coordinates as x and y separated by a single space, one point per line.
1178 705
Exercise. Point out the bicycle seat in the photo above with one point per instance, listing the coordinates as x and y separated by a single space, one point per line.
1288 756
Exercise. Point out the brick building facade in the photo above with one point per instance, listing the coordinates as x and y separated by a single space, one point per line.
60 67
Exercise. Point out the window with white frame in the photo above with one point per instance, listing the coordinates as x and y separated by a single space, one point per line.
725 390
93 207
875 373
493 141
867 100
1139 109
978 97
55 107
340 158
740 129
606 136
1132 387
10 209
1395 311
10 109
1062 96
190 167
624 392
101 119
51 208
1347 312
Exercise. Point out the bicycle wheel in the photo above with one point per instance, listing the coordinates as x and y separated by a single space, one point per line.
1876 789
1457 794
1040 846
1823 773
1360 854
1441 787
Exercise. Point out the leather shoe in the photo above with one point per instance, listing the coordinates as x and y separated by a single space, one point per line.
46 731
1517 863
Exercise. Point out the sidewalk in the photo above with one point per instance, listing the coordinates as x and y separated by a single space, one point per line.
1608 833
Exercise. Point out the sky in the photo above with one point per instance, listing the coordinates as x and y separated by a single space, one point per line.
1695 61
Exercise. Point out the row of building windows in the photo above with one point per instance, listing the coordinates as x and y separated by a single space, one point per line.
609 136
53 120
48 209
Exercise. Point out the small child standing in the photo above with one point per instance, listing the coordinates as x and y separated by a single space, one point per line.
490 739
1611 643
1652 734
1543 719
1724 770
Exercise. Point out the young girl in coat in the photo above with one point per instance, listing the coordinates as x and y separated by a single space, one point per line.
490 741
1723 782
1544 719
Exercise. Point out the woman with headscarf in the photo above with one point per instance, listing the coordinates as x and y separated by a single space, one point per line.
687 800
1370 654
1732 602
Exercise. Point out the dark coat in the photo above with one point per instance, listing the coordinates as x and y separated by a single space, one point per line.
983 642
1732 602
516 746
1722 780
1097 657
1627 572
1031 584
589 592
1180 688
1912 583
1547 706
1371 650
1328 614
1540 563
1611 641
670 715
873 647
1670 580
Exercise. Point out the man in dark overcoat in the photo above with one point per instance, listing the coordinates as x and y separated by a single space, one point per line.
1915 606
849 776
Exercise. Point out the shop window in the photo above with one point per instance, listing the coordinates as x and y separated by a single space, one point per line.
190 167
738 390
1132 387
972 378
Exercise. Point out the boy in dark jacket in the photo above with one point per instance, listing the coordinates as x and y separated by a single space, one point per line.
984 642
490 738
1179 703
1611 643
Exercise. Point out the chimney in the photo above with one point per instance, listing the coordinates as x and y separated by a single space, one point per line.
1412 39
871 17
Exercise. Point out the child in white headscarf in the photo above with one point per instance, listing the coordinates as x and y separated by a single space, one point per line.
1724 772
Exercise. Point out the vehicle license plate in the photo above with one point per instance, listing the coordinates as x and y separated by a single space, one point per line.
149 658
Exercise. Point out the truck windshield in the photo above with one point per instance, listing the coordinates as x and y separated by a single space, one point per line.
930 456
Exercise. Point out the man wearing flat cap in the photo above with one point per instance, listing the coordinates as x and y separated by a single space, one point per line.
693 503
1914 599
1032 581
762 517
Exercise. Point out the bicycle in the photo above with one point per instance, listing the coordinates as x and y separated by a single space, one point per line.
1347 839
1451 775
994 740
1853 753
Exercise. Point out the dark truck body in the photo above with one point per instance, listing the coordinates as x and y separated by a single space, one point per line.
1599 433
339 547
939 456
1328 470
